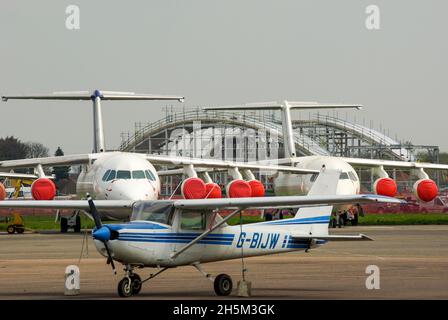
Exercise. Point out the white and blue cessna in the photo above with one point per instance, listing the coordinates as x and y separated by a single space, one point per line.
165 234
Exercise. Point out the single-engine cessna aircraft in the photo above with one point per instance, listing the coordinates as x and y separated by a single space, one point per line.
166 234
108 175
424 188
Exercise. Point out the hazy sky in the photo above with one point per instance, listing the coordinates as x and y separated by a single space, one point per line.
223 52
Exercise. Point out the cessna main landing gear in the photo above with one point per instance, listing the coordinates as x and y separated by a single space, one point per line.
222 284
131 284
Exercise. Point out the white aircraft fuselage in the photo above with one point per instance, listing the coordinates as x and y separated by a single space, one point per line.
153 243
286 184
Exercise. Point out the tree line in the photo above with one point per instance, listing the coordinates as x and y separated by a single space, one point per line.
12 148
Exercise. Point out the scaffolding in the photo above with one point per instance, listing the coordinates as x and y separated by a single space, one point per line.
258 135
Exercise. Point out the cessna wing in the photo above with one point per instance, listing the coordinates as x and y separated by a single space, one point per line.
67 204
279 202
202 204
220 164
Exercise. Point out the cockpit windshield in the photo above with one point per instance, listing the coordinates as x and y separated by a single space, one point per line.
126 175
154 211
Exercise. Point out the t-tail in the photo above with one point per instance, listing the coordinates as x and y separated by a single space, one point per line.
97 96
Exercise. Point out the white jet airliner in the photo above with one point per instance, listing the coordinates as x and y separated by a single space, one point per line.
424 188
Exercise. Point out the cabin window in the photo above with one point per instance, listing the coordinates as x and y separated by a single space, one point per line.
106 175
112 175
123 174
150 175
160 211
191 220
138 174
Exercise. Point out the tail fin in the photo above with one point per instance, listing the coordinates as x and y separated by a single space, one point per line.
315 219
97 96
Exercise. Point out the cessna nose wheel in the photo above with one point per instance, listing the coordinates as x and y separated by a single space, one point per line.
129 286
125 287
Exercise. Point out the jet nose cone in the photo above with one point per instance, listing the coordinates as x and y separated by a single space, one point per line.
102 234
132 190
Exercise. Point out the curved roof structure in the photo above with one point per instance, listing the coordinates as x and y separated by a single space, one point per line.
320 135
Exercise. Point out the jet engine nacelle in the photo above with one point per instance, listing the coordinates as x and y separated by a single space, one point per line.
238 189
212 191
2 192
43 189
257 188
385 187
193 188
425 190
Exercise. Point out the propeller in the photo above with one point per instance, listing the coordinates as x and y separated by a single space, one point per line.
101 232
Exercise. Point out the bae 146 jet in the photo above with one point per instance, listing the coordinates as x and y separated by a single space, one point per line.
286 183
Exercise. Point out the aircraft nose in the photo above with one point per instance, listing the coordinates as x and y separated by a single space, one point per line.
131 190
102 234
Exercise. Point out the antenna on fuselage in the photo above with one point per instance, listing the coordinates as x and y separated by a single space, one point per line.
96 97
285 107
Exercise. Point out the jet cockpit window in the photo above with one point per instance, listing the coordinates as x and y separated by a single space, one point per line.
106 175
313 177
112 175
352 176
160 211
344 176
138 174
123 174
192 220
150 175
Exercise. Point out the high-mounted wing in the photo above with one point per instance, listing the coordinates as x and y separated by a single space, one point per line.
50 161
13 175
220 164
67 204
394 164
278 202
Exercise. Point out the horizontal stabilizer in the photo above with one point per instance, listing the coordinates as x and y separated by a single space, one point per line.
304 105
86 95
359 237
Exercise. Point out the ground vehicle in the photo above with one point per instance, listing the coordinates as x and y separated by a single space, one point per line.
16 225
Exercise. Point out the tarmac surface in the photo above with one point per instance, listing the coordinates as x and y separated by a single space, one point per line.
413 264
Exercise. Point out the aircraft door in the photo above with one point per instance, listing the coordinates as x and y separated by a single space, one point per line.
191 223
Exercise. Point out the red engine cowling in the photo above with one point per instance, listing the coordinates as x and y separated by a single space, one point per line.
43 189
212 191
385 187
257 188
238 189
2 192
425 190
193 188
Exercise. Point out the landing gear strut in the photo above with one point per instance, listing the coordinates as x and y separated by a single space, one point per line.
131 284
